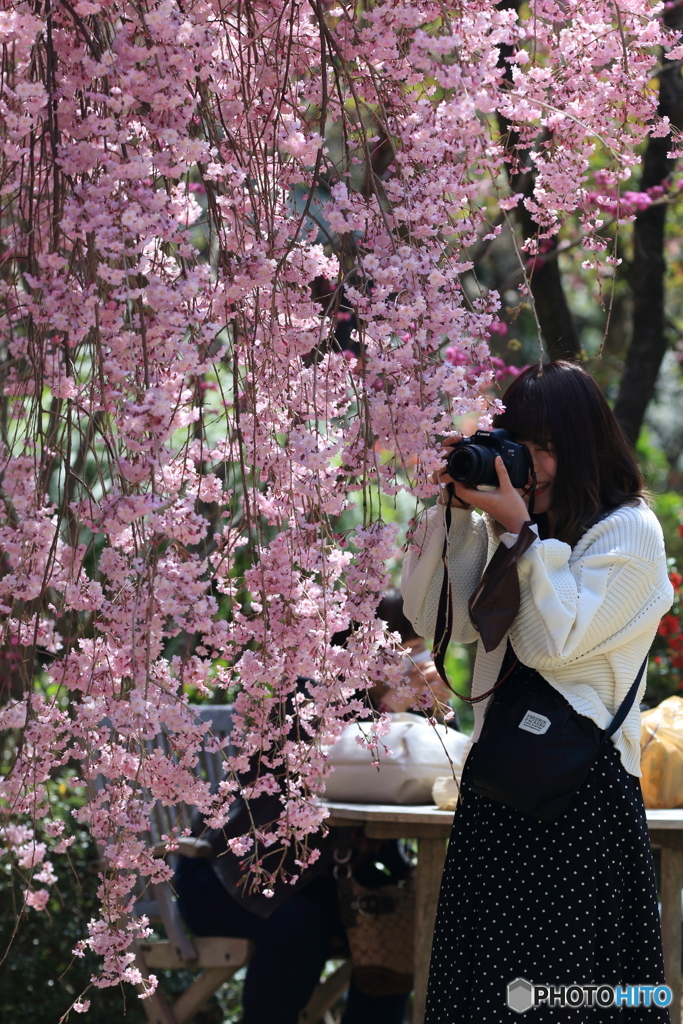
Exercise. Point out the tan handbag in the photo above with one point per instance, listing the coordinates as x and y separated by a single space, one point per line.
661 754
380 925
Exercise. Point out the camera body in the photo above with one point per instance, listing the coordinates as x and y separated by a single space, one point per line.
472 461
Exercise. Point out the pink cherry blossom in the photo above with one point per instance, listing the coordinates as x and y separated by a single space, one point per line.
37 898
200 200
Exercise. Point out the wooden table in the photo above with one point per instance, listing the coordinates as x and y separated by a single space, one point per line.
666 832
431 827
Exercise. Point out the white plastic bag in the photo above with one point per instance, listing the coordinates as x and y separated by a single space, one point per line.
419 754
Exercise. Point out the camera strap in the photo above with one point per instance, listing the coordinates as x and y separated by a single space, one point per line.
444 627
494 604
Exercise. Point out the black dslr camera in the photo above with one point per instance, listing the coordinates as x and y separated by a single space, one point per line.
472 461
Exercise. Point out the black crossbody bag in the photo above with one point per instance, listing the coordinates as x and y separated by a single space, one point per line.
534 750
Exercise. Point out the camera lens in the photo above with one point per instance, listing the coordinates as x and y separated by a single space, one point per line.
473 465
465 464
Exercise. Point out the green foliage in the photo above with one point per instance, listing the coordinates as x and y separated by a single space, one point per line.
229 999
652 461
668 507
665 665
459 664
41 977
665 676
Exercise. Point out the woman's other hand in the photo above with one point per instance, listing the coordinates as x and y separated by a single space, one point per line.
423 679
443 479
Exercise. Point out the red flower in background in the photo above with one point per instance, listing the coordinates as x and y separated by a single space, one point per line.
666 672
668 626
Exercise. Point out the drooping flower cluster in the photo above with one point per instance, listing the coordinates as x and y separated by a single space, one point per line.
196 198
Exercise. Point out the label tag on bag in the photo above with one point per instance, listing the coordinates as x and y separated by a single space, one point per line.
537 724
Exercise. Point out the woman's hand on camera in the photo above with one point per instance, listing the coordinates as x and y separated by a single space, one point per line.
443 479
506 505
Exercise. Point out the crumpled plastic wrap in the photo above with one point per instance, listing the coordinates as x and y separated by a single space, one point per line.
445 793
661 754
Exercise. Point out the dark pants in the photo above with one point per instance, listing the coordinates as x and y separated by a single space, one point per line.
291 947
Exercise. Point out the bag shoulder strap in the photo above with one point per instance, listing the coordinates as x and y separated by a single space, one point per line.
626 704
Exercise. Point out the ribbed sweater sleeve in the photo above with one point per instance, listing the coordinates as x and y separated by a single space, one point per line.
576 605
423 570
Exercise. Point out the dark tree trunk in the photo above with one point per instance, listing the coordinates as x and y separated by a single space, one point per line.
649 342
648 267
554 315
557 325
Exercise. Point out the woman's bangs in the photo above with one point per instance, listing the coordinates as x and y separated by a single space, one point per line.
525 416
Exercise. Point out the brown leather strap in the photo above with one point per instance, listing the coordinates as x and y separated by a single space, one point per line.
495 603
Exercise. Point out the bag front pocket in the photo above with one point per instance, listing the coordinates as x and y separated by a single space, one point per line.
534 752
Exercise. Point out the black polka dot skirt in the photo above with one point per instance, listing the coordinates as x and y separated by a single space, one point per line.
568 902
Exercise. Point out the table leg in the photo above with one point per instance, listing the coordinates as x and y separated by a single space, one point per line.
431 854
672 882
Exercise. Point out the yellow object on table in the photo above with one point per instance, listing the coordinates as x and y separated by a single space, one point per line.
661 754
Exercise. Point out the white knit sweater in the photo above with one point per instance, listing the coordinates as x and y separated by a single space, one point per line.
587 614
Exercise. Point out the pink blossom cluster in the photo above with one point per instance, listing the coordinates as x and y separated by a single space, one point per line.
624 206
494 369
29 854
182 432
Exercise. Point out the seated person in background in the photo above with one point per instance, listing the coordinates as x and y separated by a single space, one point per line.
294 931
293 944
420 670
303 932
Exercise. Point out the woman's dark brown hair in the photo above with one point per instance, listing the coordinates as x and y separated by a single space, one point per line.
561 406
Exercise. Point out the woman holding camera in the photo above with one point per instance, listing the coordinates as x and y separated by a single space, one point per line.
568 901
